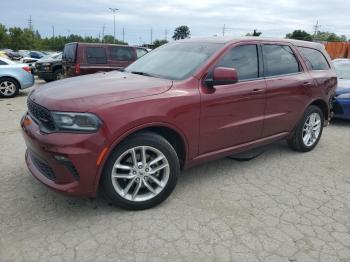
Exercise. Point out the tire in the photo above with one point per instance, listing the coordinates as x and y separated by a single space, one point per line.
118 189
8 87
305 126
57 74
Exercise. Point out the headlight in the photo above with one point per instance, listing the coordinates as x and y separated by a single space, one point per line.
344 96
81 122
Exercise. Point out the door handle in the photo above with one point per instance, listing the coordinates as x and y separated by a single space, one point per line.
307 84
257 91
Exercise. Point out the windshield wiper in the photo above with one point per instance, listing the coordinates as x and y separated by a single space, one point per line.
141 73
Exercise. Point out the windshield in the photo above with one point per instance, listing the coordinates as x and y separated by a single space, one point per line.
343 69
174 61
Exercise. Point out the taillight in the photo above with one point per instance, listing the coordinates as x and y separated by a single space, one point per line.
27 68
77 69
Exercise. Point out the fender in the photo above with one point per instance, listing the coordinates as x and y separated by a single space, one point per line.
130 131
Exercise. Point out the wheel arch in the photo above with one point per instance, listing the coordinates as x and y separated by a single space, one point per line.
172 134
13 78
323 106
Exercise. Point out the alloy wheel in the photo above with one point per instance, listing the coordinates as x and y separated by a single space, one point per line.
140 173
7 88
312 129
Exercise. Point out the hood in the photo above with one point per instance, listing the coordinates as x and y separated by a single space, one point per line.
48 60
84 93
343 86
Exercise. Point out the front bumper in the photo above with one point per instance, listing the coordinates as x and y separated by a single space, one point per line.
65 162
46 75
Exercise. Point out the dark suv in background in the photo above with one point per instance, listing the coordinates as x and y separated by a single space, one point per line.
87 58
50 68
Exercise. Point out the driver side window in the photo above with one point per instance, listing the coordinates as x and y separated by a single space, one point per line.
244 59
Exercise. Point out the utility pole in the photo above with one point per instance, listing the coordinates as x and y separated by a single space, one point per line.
123 35
53 31
166 34
151 35
103 32
316 29
114 11
223 30
30 23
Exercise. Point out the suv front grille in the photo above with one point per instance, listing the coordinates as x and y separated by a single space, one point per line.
44 168
40 114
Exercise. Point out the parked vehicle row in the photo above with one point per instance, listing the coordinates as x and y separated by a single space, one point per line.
183 104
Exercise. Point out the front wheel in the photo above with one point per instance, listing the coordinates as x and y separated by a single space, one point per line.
308 131
142 172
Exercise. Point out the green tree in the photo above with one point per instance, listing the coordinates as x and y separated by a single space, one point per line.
109 39
255 33
3 36
181 32
329 37
299 35
157 42
17 38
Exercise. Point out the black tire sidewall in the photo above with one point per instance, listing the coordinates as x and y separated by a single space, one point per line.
141 139
3 79
56 73
310 110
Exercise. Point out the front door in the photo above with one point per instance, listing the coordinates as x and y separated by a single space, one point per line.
233 114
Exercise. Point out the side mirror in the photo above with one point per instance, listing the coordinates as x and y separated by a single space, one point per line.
222 76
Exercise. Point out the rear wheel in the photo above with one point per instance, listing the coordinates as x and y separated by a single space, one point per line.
308 131
8 87
142 172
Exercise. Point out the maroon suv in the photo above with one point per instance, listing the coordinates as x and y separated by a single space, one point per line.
185 103
88 58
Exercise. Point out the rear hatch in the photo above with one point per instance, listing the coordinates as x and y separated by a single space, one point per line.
69 57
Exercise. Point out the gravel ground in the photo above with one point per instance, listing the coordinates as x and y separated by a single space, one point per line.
281 206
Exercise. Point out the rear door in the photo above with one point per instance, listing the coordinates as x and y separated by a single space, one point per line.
288 87
233 114
121 56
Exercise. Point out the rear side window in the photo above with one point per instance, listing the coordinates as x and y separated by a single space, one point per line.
69 52
279 60
140 52
314 58
96 55
244 59
2 62
122 53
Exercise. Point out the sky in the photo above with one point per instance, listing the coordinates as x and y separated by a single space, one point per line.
204 17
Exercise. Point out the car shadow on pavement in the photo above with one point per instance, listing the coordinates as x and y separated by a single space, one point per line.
340 122
66 206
